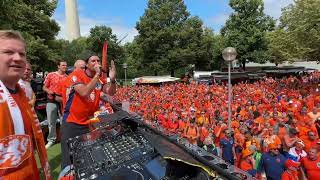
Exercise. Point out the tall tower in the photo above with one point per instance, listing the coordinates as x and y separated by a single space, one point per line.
72 19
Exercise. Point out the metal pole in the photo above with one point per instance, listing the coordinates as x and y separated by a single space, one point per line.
125 76
229 96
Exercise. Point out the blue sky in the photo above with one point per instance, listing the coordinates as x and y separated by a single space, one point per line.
122 15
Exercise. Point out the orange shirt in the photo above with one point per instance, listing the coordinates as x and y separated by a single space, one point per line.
182 125
28 168
191 133
173 126
282 132
64 89
244 165
239 139
312 168
80 109
53 81
292 175
308 144
203 133
272 122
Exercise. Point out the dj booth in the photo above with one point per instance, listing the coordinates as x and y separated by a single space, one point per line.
122 147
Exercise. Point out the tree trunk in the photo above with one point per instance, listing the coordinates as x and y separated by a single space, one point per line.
172 73
244 65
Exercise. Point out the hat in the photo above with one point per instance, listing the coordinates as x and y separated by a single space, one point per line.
273 146
246 152
290 101
301 143
291 163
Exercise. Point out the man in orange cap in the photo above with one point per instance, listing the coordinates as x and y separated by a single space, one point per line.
272 162
247 161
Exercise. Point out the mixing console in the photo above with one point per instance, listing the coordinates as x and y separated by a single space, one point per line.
101 153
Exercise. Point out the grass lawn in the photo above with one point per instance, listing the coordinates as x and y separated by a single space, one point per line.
54 156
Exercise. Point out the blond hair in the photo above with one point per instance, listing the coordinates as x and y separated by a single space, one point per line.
10 34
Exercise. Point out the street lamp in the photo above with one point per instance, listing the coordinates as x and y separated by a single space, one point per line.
125 66
229 54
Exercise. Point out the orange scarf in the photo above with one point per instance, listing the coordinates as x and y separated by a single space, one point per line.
8 136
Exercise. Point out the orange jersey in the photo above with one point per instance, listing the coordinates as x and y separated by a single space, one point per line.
244 165
52 82
26 167
182 125
78 109
292 175
312 168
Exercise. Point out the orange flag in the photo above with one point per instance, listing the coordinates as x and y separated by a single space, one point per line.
105 68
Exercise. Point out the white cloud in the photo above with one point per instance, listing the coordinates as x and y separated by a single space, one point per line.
273 7
87 23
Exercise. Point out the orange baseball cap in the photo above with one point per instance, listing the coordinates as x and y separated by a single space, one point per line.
273 146
246 152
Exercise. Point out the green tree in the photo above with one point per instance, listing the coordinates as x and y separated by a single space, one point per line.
33 19
132 56
280 44
218 46
301 24
98 35
246 30
170 39
72 51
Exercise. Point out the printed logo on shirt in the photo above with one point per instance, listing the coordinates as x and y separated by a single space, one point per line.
74 78
278 160
318 164
14 150
92 96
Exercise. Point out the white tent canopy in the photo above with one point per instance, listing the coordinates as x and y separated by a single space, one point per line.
153 79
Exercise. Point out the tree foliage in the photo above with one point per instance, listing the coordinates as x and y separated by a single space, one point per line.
98 35
218 46
32 18
300 23
246 30
169 39
72 51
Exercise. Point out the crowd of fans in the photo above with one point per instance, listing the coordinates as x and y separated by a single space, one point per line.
274 129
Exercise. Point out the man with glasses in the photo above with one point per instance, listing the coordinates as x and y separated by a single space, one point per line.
272 163
82 100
